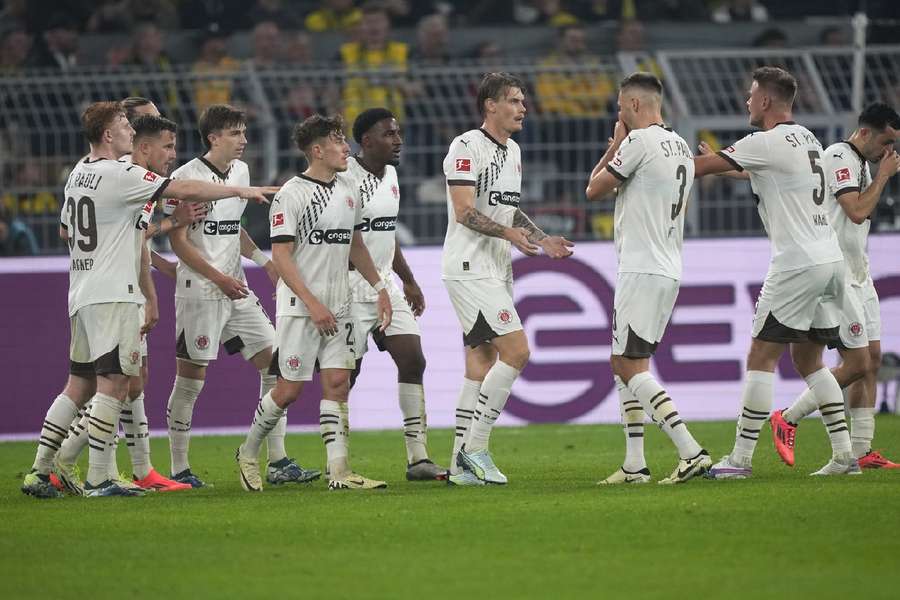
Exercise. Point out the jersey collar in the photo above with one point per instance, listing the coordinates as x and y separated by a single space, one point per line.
214 169
366 169
490 137
660 125
88 161
862 158
328 185
784 123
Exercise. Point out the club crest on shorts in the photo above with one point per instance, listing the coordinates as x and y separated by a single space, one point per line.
856 329
135 357
293 362
202 342
504 316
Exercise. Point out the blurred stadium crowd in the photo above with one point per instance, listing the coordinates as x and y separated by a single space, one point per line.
282 60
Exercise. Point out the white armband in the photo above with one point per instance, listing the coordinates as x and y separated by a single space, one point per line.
379 286
259 257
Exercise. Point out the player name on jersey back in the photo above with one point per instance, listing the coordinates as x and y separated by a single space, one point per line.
656 168
848 171
787 175
319 218
476 159
380 199
108 204
217 236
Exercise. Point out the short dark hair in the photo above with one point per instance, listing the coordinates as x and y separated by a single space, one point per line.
150 125
367 119
644 81
778 82
131 104
97 118
494 85
217 117
879 115
315 128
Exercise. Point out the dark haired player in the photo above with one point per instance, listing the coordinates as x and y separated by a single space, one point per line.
483 168
377 132
314 219
852 196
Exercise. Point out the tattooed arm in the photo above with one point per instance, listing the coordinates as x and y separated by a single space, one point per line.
554 246
535 235
463 198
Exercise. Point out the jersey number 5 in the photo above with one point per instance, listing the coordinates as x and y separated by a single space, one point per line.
818 194
83 217
680 174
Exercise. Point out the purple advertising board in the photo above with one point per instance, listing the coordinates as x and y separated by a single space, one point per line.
566 307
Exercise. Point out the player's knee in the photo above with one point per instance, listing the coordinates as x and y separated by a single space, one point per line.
335 384
517 357
135 387
411 369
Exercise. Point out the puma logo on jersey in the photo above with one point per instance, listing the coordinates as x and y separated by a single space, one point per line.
838 155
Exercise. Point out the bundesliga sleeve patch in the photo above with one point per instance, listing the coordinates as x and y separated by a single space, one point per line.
463 165
277 219
842 175
173 202
150 176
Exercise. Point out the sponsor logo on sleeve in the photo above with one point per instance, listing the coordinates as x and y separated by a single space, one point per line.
277 219
729 149
842 175
173 202
150 176
463 165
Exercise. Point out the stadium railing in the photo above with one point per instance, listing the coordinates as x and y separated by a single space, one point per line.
571 114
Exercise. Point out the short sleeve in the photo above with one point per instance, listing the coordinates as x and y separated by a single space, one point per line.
284 216
628 157
137 185
750 152
62 217
842 173
459 165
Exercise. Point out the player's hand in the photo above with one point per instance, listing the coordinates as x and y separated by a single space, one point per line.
272 272
233 288
259 194
189 212
556 246
889 163
385 310
151 317
322 318
620 132
705 149
414 297
518 237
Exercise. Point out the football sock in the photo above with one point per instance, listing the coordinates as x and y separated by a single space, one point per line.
104 421
179 414
77 439
56 425
831 407
804 405
333 426
756 405
265 419
492 398
656 403
633 425
112 464
862 430
465 408
275 440
412 406
137 436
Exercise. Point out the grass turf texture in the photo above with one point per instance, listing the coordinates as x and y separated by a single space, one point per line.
550 533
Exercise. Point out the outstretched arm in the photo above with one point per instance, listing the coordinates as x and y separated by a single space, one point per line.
554 246
463 198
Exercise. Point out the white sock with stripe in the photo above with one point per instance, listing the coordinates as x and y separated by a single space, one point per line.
415 428
104 422
53 431
465 408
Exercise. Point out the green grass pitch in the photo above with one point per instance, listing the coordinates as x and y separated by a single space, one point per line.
551 533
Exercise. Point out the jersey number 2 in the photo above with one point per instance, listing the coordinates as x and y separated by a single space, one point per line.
83 217
680 174
818 194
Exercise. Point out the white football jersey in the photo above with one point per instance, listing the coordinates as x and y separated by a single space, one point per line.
218 236
108 204
848 171
787 175
319 218
656 168
476 159
380 200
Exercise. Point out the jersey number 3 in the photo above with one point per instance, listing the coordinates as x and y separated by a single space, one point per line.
83 218
680 174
